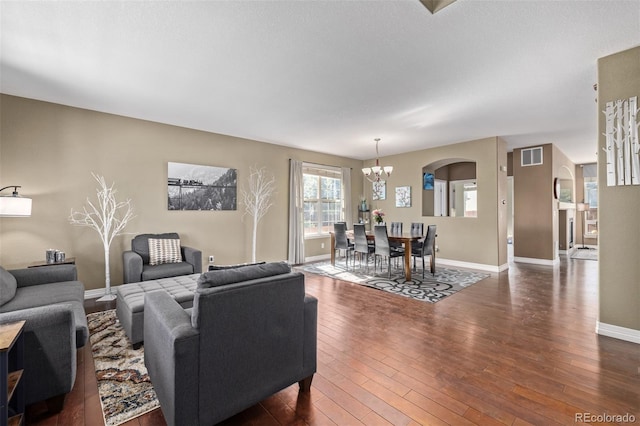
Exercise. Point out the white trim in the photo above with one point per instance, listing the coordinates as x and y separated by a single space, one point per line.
470 265
536 261
531 151
317 258
617 332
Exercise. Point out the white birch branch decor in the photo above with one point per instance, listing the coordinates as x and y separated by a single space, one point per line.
108 217
257 199
621 142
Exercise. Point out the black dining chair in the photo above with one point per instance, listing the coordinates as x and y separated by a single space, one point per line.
426 247
417 228
383 249
395 229
361 246
341 240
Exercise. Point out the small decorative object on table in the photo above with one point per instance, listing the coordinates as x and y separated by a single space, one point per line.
378 216
363 204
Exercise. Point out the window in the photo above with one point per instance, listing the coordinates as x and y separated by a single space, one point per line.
531 156
322 199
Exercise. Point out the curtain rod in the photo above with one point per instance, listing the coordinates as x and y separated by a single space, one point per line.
308 163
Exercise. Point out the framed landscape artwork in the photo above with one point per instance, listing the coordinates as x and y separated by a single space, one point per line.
403 196
197 187
379 190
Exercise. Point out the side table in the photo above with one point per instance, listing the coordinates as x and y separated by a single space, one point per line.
68 261
11 388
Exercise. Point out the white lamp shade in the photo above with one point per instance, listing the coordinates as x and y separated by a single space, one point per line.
11 206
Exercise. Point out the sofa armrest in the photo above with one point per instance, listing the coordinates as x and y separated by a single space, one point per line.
131 267
49 351
171 354
194 257
45 275
309 363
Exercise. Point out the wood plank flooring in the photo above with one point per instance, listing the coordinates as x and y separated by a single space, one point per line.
518 348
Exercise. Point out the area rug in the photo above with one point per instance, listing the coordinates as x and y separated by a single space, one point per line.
446 281
585 254
123 383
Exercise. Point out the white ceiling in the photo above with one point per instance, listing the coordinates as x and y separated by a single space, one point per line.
327 76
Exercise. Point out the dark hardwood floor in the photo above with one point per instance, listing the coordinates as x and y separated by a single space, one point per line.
517 348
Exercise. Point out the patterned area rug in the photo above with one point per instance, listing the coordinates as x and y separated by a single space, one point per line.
446 281
585 254
123 383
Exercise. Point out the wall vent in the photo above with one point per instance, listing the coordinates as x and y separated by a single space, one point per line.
531 156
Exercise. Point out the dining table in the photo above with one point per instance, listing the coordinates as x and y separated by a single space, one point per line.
406 238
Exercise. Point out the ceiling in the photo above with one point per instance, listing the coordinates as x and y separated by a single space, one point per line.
327 76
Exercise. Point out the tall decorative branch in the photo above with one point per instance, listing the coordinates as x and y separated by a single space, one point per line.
108 217
257 199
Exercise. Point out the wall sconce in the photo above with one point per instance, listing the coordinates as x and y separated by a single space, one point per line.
14 205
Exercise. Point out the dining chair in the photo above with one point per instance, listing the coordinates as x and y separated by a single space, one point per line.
383 249
341 240
361 246
426 248
396 229
417 228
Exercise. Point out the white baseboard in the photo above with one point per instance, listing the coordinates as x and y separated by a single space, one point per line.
471 265
317 258
535 261
622 333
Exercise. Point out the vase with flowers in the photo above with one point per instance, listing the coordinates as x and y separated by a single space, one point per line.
378 216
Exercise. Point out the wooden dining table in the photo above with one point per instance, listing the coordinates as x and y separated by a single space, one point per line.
405 238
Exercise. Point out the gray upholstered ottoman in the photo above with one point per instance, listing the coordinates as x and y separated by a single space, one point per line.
130 301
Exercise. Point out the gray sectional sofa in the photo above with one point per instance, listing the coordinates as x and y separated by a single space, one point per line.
252 331
51 300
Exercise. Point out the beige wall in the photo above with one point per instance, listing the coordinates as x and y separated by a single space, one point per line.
51 151
618 206
480 240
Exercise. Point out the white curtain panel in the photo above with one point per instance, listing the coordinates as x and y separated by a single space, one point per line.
346 196
296 213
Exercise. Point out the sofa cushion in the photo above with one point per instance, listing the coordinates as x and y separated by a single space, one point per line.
8 285
164 250
45 294
166 270
243 273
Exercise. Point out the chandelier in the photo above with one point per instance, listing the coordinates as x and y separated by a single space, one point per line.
375 173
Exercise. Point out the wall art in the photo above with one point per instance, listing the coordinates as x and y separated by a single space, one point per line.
427 181
197 187
379 190
621 142
403 196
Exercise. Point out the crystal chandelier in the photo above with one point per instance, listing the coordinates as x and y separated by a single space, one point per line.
375 173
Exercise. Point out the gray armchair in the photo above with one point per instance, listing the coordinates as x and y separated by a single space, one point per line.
136 265
252 332
51 300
